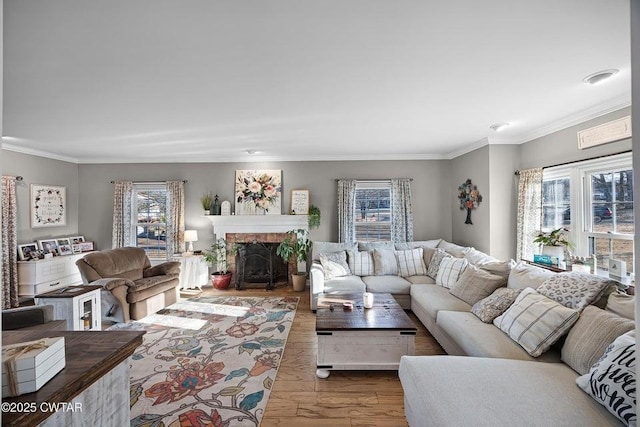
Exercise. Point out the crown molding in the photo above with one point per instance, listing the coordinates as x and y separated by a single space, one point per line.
39 153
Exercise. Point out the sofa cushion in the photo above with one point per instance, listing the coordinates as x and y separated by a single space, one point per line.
523 275
480 339
536 322
143 289
475 256
421 280
612 381
417 244
575 290
433 298
495 304
344 284
434 263
594 331
501 268
360 263
387 284
334 264
622 304
324 247
369 246
474 391
451 248
384 262
450 270
475 284
411 263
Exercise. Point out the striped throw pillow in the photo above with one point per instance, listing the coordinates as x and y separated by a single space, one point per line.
361 263
536 322
411 263
450 270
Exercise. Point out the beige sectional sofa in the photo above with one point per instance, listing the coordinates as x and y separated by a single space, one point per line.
502 383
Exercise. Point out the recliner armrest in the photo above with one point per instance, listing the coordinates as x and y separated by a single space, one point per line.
169 268
112 283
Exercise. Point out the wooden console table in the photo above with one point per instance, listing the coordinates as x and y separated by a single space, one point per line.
95 361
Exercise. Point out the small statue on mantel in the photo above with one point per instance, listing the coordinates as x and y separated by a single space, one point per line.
216 206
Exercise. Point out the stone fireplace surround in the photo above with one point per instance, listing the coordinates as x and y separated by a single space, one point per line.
237 229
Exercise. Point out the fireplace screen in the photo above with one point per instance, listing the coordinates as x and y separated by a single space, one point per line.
259 266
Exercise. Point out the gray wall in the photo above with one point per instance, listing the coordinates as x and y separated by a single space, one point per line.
40 170
562 146
431 195
503 161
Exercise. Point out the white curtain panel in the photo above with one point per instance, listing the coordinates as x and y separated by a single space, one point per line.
346 204
175 217
121 234
529 212
402 211
9 243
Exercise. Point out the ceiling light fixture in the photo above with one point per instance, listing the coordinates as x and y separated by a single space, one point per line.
250 151
497 127
600 76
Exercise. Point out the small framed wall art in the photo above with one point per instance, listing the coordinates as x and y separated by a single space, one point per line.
48 205
300 202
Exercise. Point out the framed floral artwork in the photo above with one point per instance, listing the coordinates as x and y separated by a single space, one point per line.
258 192
48 205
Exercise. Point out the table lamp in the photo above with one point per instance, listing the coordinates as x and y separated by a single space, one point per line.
190 236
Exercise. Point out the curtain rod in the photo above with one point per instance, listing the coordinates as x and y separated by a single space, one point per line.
152 182
583 160
372 179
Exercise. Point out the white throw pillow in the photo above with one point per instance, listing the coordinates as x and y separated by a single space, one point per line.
612 380
361 263
450 270
411 263
334 264
536 322
384 262
524 275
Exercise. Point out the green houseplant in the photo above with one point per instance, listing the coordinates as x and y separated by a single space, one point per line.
554 243
207 203
217 257
314 217
296 245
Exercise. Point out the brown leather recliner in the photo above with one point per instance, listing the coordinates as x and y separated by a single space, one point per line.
132 288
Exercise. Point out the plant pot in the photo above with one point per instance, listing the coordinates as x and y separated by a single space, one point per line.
299 281
554 251
220 280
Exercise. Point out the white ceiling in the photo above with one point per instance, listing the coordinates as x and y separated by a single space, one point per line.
204 80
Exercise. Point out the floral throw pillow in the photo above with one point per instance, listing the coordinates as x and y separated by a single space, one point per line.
495 304
575 290
434 263
334 264
612 380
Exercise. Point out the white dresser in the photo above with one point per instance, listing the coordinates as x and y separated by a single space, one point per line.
44 275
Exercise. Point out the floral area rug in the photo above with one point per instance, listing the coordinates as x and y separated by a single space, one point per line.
208 361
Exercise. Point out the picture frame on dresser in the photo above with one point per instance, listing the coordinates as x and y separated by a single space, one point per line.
25 252
49 246
76 239
64 246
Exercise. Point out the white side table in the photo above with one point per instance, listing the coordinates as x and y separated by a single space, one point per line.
78 305
194 271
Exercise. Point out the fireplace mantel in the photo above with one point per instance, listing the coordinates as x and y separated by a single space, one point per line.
222 225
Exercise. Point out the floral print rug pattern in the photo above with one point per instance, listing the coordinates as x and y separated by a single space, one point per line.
208 361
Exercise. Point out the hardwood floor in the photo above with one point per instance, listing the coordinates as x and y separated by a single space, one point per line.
346 398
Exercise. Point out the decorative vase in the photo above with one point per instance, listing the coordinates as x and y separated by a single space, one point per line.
221 281
554 251
299 281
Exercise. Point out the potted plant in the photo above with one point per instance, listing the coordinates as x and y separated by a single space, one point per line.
296 245
314 217
554 243
217 257
207 203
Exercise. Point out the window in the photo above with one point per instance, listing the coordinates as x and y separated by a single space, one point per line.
594 200
149 211
372 211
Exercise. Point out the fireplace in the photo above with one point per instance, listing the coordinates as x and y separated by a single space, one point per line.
258 265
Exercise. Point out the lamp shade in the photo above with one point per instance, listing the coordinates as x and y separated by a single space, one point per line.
191 235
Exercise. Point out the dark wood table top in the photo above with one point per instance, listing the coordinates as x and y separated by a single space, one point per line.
69 291
89 356
386 314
